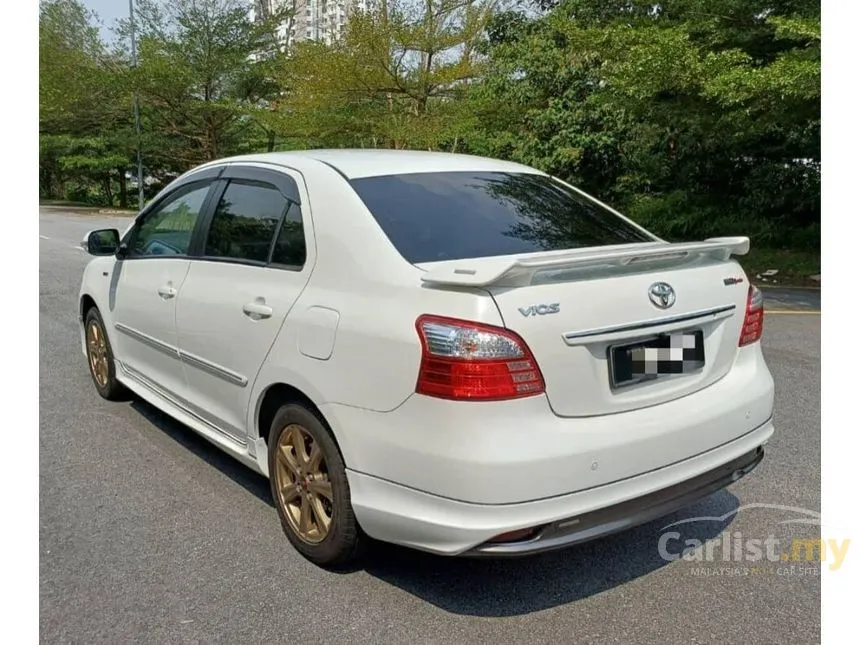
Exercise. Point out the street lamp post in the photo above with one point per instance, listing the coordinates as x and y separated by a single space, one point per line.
136 110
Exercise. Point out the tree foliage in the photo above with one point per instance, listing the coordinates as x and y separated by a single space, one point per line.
695 117
84 120
397 79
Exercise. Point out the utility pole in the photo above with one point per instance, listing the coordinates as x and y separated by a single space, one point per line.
136 109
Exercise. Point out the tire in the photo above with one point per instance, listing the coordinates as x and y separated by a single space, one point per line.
100 359
309 486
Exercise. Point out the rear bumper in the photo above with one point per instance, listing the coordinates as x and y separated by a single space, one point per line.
605 521
401 515
511 452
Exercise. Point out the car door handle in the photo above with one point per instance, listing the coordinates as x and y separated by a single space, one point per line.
166 291
257 310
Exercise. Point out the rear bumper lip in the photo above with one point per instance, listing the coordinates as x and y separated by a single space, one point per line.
619 517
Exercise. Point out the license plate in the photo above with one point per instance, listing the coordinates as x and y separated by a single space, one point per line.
663 355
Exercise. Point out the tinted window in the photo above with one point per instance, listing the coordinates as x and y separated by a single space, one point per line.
455 215
167 229
290 245
245 221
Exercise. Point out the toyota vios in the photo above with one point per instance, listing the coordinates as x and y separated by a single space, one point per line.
452 353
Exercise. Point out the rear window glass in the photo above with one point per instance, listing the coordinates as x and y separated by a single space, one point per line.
455 215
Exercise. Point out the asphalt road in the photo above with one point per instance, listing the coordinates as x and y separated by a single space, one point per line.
149 534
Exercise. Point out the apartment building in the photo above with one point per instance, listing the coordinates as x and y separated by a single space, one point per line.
320 20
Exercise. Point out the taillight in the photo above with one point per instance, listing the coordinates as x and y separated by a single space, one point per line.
472 361
753 318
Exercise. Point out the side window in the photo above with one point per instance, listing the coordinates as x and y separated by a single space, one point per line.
245 221
290 245
167 230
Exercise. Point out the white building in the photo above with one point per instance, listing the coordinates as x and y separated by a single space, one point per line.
320 20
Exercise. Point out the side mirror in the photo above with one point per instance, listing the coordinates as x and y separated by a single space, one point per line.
101 242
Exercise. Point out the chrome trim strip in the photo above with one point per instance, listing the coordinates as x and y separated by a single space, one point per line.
179 402
213 369
195 361
146 339
646 324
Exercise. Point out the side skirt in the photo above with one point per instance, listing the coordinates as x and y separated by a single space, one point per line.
151 393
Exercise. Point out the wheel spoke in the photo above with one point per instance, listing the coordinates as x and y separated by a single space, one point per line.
305 519
289 493
323 520
321 487
288 460
315 459
298 441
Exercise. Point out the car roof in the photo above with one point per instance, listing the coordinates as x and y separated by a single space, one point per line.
374 162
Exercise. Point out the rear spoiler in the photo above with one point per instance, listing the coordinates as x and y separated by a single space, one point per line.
507 271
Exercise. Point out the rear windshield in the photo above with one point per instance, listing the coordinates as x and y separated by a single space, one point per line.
455 215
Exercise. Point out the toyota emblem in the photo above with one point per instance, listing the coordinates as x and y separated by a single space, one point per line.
662 295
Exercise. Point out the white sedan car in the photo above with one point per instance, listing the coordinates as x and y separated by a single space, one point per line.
456 354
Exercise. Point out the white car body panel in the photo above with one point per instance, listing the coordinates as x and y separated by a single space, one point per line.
144 321
413 518
436 474
512 452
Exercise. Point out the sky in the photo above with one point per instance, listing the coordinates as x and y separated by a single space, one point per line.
108 11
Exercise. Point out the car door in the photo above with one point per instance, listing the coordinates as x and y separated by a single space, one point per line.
150 275
252 265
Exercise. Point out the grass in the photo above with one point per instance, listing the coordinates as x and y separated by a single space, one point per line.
794 267
61 202
93 208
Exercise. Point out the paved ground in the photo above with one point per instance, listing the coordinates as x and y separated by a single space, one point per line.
792 299
148 534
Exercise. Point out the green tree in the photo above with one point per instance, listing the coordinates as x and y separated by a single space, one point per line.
395 80
697 118
199 76
84 112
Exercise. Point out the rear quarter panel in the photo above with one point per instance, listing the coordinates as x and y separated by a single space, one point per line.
375 296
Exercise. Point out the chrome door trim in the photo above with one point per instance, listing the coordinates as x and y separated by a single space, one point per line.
213 368
187 358
146 339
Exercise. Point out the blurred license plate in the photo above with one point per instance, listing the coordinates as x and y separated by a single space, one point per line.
666 354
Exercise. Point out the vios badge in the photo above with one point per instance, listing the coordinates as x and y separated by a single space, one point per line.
540 310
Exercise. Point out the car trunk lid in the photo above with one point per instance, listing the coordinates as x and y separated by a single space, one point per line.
574 307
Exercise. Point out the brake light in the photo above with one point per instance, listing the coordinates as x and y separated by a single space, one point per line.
472 361
753 318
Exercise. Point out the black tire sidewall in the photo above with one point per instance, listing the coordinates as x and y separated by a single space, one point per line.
112 387
344 538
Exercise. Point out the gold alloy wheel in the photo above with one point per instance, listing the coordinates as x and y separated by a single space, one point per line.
303 485
97 350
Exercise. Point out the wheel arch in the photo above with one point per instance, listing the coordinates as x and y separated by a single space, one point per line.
273 397
86 303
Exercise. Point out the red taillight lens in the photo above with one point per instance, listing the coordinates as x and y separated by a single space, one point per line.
472 361
753 318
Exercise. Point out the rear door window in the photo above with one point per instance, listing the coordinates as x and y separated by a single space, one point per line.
290 250
455 215
245 222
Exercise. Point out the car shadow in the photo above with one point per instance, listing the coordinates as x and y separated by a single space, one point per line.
493 587
246 478
512 587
